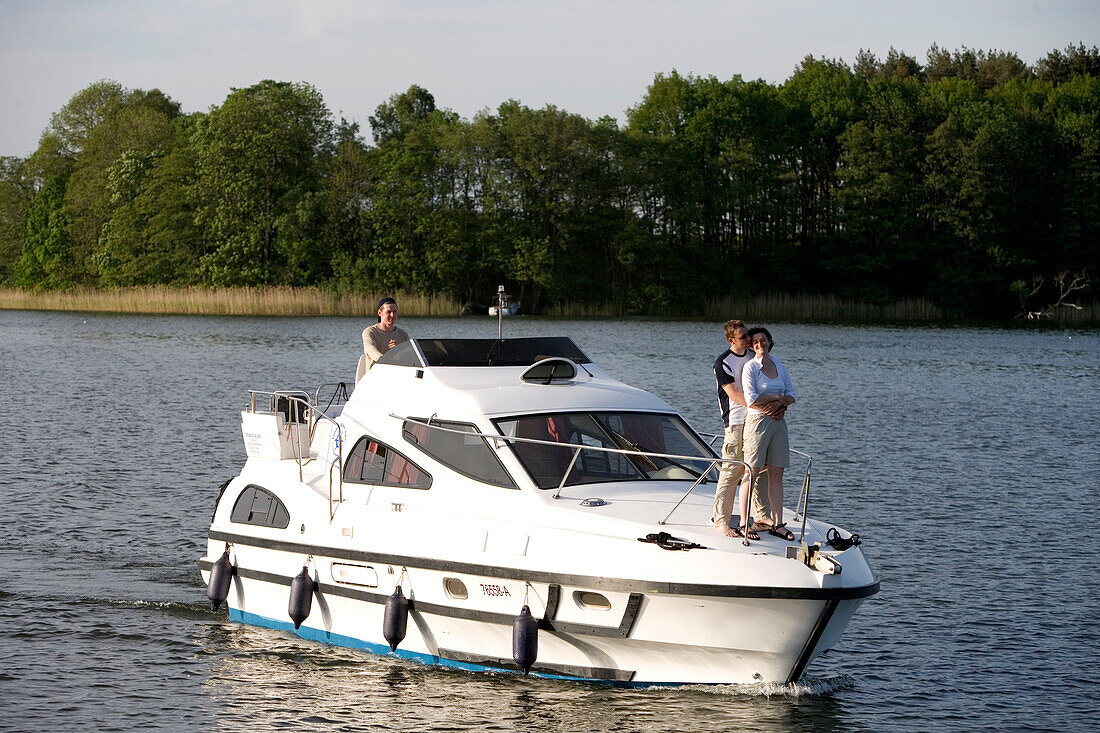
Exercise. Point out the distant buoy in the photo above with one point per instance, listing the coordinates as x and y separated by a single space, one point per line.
396 620
525 639
221 575
301 597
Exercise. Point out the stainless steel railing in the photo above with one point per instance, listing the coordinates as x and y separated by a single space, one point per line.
713 461
299 404
803 496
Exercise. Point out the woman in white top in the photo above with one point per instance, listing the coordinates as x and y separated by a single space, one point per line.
765 379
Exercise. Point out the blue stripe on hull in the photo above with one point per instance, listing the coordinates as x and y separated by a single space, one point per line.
327 637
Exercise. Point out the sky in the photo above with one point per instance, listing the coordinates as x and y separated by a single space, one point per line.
589 57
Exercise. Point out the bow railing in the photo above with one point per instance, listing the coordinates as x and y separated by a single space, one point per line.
298 409
803 495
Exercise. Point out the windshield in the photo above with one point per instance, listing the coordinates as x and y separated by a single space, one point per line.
633 431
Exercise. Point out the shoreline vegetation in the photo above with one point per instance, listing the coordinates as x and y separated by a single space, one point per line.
964 188
314 301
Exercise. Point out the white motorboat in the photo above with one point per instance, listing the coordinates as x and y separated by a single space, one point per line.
478 503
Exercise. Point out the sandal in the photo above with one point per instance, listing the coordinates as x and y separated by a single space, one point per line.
781 531
749 533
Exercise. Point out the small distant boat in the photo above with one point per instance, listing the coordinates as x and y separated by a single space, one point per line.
512 309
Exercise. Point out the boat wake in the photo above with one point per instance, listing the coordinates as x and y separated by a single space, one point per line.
806 687
172 608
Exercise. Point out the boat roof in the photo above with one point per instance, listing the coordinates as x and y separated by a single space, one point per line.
483 352
493 377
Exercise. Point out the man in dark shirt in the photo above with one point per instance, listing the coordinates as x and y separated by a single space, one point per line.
731 401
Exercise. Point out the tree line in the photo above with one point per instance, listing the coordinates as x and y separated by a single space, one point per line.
972 181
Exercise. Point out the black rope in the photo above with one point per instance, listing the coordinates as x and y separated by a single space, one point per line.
340 391
833 538
667 542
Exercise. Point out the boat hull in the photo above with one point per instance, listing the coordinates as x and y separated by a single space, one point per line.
644 638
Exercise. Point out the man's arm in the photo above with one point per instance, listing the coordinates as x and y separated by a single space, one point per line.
774 409
373 353
733 393
766 399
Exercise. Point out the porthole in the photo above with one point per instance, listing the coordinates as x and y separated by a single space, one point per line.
592 601
455 589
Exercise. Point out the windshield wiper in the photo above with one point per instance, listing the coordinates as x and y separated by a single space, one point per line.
623 440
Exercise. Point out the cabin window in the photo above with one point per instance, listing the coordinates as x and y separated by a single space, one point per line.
371 462
470 455
354 574
597 439
260 507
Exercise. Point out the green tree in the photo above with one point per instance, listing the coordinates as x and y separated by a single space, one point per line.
152 236
466 254
401 113
1022 163
877 254
70 127
45 262
992 193
346 192
403 212
954 195
552 193
668 178
1073 111
944 64
100 125
823 97
897 65
1058 67
260 156
996 68
986 69
16 193
951 181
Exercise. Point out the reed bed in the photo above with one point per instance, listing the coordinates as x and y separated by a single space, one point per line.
807 308
585 310
259 301
288 301
769 307
787 307
773 307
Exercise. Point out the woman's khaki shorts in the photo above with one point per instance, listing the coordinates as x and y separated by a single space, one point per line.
765 441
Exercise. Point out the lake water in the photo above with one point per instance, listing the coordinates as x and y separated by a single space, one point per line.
966 458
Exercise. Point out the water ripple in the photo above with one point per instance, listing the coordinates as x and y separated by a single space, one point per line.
967 465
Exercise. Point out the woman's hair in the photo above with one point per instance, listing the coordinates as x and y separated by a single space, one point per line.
384 301
760 329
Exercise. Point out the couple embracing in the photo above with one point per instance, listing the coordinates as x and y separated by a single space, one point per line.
754 392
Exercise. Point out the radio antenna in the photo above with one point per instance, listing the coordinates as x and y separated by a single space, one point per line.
502 298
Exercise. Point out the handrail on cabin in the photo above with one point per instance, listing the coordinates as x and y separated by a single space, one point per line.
313 417
714 461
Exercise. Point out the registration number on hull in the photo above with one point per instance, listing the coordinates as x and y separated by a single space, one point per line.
494 591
